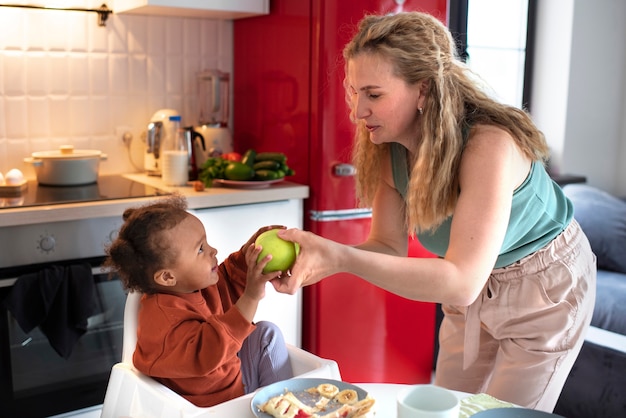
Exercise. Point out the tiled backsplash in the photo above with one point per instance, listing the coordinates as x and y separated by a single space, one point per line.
65 80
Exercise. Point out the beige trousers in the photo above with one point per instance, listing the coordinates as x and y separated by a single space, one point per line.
518 341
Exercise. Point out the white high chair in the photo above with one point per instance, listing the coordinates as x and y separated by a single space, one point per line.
133 394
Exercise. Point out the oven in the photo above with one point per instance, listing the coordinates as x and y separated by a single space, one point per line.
52 284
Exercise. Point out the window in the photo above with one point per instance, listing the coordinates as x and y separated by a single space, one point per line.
495 38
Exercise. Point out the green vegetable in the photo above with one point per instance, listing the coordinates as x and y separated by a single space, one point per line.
266 165
249 157
238 171
271 156
264 175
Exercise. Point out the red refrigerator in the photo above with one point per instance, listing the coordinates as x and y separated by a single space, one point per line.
288 96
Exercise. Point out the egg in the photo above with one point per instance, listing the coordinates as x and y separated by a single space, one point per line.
14 177
1 180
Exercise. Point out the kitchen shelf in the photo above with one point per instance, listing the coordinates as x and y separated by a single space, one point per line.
211 9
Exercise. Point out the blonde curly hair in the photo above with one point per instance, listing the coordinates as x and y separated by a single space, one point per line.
421 48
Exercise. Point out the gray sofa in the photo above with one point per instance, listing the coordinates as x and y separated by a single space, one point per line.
596 386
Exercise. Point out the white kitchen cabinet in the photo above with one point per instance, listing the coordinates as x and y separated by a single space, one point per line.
211 9
229 227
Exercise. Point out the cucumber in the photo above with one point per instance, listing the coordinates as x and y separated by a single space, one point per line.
263 175
272 156
266 165
249 158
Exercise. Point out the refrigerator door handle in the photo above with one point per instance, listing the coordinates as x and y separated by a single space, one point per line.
344 170
340 215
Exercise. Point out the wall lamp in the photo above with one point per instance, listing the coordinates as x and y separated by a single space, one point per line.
103 11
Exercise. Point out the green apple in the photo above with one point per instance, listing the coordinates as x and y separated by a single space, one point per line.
283 252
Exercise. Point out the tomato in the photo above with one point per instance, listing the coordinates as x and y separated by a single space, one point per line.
232 156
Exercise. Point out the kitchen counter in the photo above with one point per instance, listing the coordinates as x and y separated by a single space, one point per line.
209 198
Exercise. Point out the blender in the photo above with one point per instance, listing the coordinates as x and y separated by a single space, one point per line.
213 101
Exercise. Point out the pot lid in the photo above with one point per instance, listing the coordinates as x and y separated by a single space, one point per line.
67 152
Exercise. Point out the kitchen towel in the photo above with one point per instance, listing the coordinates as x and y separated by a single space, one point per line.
59 299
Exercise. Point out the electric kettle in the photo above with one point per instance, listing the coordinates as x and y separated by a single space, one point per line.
197 151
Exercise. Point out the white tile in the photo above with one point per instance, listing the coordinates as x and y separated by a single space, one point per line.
99 38
14 74
37 31
77 30
138 74
191 37
14 29
156 74
79 74
118 76
138 40
174 74
117 37
98 74
38 116
174 36
99 116
15 117
119 111
3 126
79 116
59 116
36 74
156 36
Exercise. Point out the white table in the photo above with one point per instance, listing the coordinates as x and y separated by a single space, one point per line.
384 393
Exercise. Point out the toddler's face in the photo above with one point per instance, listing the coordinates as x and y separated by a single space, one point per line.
196 263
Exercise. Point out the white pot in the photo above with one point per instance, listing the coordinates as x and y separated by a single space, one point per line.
66 166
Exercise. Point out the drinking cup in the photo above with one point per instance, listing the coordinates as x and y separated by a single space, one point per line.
427 401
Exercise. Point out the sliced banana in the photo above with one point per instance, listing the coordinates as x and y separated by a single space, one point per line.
347 396
327 390
362 407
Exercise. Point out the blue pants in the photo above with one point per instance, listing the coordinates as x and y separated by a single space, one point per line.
264 357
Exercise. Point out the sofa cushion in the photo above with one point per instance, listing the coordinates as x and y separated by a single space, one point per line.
609 312
603 219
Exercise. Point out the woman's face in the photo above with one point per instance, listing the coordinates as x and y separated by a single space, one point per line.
384 102
196 264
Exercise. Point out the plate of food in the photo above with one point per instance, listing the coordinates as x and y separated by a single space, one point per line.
312 397
248 184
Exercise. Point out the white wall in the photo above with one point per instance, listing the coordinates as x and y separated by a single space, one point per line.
579 88
64 79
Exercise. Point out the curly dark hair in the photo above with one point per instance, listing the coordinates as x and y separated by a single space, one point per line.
140 249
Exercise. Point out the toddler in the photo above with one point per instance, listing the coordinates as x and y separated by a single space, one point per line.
195 332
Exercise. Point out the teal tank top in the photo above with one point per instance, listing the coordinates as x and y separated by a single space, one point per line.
540 211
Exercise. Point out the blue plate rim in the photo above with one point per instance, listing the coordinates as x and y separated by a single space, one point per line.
296 384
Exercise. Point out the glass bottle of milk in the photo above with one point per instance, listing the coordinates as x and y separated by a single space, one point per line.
175 155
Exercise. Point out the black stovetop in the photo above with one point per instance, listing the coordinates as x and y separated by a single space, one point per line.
107 187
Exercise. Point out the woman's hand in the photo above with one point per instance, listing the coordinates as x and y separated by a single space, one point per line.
317 260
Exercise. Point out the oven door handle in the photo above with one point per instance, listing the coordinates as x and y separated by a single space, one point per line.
10 281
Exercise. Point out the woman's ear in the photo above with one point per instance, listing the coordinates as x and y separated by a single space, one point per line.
164 278
423 87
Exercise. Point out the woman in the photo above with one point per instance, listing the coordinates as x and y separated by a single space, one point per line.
437 157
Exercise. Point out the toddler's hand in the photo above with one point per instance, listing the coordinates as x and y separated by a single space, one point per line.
256 279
